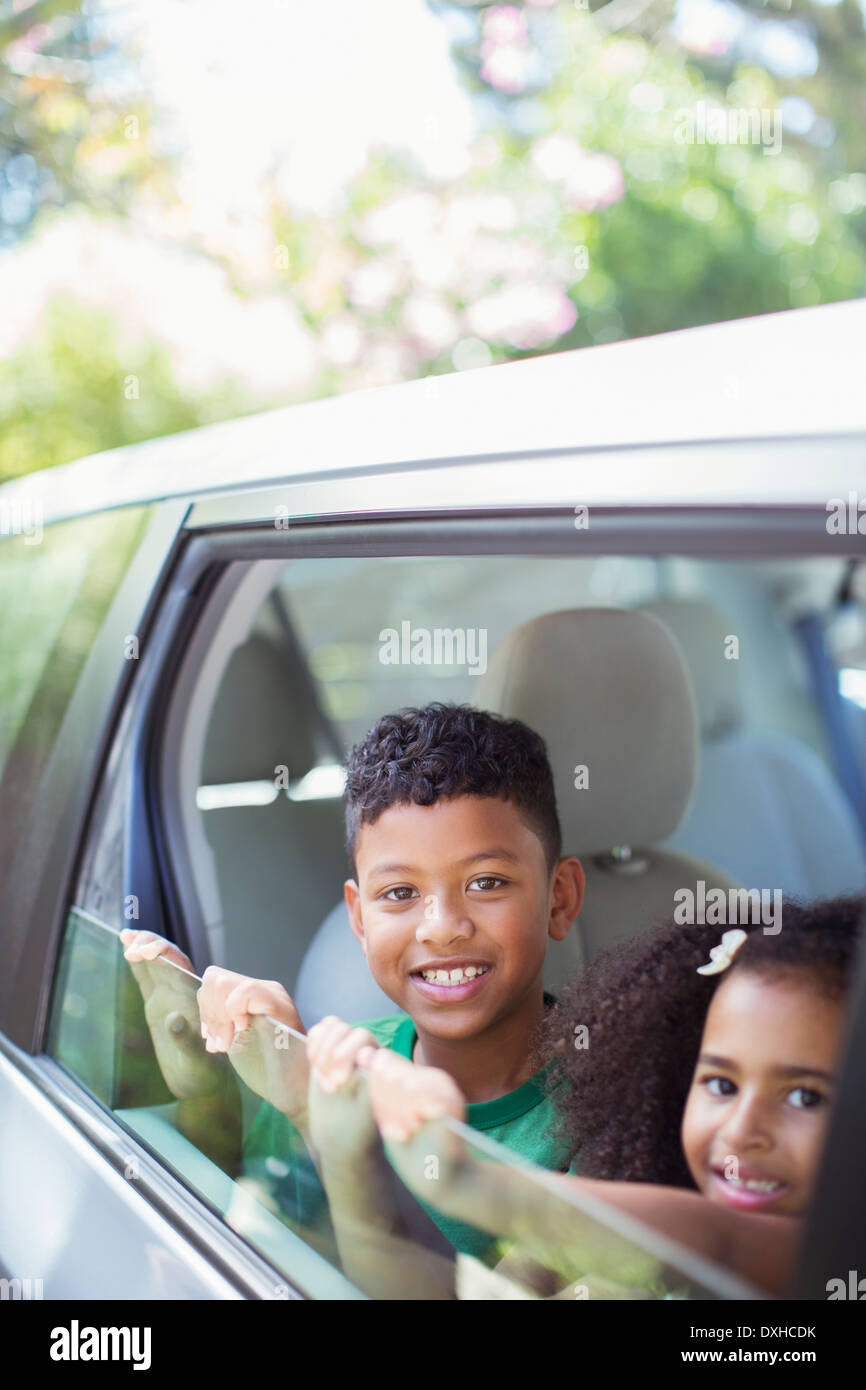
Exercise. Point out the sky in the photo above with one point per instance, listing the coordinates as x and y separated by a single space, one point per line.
295 89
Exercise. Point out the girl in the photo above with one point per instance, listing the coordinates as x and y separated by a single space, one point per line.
693 1079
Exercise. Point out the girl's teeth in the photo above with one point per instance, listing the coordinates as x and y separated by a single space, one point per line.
754 1185
454 977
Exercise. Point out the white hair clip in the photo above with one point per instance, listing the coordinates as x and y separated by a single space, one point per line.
722 955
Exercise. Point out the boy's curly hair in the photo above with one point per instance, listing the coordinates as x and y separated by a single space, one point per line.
423 755
620 1099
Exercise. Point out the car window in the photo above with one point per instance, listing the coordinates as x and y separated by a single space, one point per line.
230 1129
373 635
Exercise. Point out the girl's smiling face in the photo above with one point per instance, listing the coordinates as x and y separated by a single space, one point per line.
756 1114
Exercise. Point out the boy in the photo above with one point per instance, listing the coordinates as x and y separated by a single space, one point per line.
454 838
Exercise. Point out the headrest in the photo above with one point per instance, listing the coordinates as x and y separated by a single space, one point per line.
705 636
609 692
254 726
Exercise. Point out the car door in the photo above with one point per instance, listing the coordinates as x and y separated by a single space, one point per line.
111 813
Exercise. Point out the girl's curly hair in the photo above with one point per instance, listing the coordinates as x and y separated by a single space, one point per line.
620 1098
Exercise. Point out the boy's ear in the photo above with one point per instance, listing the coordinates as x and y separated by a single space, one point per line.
352 894
568 888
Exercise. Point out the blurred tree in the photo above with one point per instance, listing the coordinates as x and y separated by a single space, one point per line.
73 390
815 49
75 131
671 234
69 132
588 210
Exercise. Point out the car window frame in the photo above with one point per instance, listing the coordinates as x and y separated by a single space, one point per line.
205 546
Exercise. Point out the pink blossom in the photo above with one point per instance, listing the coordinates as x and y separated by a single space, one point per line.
504 24
505 67
595 182
523 314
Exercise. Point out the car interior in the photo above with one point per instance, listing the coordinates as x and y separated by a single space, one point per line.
685 689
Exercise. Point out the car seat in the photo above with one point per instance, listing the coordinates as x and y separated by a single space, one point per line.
765 806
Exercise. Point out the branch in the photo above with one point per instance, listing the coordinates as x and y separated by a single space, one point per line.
15 26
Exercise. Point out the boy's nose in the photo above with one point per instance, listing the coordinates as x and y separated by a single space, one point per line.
442 921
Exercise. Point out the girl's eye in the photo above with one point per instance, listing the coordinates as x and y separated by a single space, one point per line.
808 1098
720 1086
489 880
404 890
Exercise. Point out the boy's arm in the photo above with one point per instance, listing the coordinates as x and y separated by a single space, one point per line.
209 1103
255 1023
192 1022
389 1248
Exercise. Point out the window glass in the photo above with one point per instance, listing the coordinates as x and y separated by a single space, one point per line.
302 1176
55 595
132 1035
769 807
363 622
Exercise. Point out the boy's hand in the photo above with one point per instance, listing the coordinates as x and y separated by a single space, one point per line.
404 1096
379 1252
171 1012
342 1128
146 946
228 1001
335 1049
267 1058
209 1114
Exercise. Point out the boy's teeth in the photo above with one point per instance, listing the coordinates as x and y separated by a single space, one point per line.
454 977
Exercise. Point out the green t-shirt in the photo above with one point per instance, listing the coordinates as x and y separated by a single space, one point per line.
521 1120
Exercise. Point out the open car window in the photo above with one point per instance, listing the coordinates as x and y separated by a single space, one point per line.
237 1131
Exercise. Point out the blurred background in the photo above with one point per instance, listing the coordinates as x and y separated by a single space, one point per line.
208 209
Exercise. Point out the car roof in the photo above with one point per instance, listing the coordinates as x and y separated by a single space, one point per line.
787 375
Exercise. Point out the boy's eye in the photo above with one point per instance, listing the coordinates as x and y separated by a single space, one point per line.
808 1098
719 1086
488 881
403 890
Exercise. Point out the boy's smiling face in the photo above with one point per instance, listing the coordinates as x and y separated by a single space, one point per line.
461 887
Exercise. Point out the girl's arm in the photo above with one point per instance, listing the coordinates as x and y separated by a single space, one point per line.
524 1207
759 1248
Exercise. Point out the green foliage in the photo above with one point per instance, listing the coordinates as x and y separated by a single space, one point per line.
74 389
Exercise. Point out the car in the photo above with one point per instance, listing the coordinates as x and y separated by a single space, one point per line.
652 551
